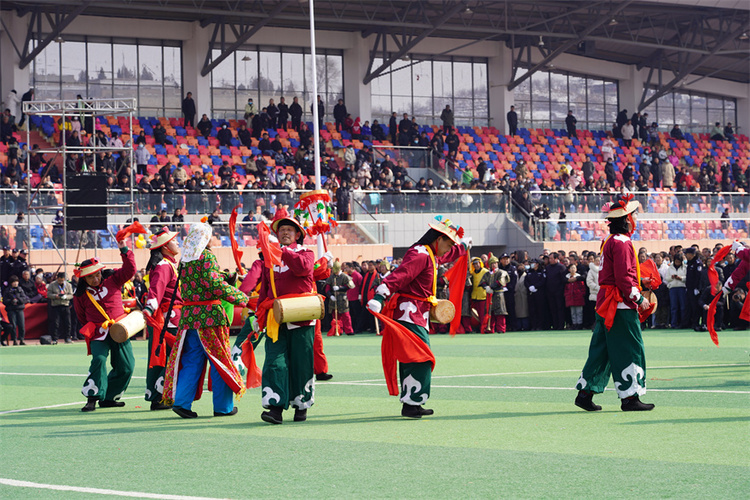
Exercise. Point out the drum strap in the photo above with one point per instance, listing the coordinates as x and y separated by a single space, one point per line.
108 321
432 299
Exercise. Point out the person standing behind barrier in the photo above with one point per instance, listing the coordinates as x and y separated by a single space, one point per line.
353 296
522 299
188 110
512 118
677 291
556 291
15 301
575 296
536 284
693 268
59 294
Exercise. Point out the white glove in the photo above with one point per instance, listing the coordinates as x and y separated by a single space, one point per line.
335 288
695 292
532 289
505 289
488 289
332 297
359 297
467 241
726 290
328 256
737 246
374 305
254 324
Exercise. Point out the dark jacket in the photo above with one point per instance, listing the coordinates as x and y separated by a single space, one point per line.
556 278
15 299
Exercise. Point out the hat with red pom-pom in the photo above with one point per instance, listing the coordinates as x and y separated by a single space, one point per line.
448 228
622 205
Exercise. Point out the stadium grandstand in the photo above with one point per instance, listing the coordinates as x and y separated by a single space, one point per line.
519 119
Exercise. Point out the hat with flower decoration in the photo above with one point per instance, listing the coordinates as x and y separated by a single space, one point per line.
161 238
448 228
88 267
622 205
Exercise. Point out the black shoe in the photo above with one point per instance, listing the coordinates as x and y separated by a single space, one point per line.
701 328
68 341
273 415
585 400
184 413
15 343
4 343
90 404
323 376
233 412
300 415
54 342
635 404
22 343
411 411
158 405
80 337
111 404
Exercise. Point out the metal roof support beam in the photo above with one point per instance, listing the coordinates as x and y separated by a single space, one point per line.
226 51
56 28
568 44
689 68
406 47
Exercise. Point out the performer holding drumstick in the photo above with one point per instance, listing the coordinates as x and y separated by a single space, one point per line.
162 269
411 290
98 305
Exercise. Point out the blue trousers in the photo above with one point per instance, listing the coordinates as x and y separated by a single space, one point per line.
678 301
192 361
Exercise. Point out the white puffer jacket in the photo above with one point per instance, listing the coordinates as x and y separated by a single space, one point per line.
592 281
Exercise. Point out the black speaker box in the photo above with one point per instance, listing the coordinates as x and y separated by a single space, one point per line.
82 192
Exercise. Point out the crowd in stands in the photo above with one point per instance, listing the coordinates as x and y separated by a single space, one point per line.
512 292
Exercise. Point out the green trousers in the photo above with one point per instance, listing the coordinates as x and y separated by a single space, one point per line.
247 330
415 377
618 351
155 374
288 377
110 386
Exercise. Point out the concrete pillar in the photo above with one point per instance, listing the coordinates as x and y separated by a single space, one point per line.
11 77
357 95
631 90
193 56
500 72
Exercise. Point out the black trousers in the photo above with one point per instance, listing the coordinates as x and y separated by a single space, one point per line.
557 309
695 311
59 322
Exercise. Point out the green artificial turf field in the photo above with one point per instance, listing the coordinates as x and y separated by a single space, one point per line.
504 427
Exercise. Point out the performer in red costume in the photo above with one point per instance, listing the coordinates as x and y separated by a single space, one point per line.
742 253
98 305
411 290
616 343
162 278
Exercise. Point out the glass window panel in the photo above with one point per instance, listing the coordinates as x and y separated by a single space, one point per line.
422 79
99 63
150 94
47 73
540 86
74 75
462 80
382 84
577 92
442 79
596 116
125 91
595 91
682 108
610 93
222 76
559 88
270 74
320 62
697 102
335 77
172 99
463 108
559 112
523 91
401 78
173 79
729 104
401 105
125 61
715 103
481 110
480 80
223 99
381 106
293 69
247 72
715 115
423 109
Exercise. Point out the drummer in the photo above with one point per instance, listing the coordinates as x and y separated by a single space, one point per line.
98 305
162 277
288 373
415 282
203 333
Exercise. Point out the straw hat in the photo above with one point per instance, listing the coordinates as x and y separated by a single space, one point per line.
161 238
88 267
448 228
621 206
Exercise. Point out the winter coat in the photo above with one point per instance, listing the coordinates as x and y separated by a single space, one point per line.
15 299
667 174
343 282
575 292
522 298
681 272
592 281
498 282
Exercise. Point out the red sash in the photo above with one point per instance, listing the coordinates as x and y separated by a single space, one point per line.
156 322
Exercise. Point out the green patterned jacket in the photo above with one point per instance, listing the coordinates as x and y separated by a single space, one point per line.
201 280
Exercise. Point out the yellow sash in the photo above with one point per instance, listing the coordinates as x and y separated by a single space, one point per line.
109 321
432 299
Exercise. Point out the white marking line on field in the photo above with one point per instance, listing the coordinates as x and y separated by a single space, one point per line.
98 491
53 375
526 387
550 371
54 406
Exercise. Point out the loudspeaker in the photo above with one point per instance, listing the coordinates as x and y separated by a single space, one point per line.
82 192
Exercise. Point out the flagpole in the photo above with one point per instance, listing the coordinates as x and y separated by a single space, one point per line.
316 118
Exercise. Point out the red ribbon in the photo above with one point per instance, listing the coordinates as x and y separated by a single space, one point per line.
236 252
271 251
713 278
135 228
456 277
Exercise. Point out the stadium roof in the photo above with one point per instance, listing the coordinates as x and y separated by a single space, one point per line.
698 37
